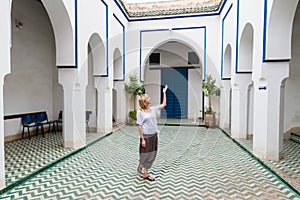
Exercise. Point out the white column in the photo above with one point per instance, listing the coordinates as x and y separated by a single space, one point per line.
5 64
104 105
74 134
2 135
239 105
225 105
267 123
121 101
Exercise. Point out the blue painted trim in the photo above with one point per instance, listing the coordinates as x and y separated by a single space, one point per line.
225 79
204 59
222 7
244 72
76 34
222 46
124 53
155 30
170 17
141 36
122 10
123 56
203 111
66 67
262 88
184 28
104 3
277 60
237 42
237 36
100 75
106 10
265 60
265 30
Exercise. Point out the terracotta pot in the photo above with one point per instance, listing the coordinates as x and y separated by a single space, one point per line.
210 120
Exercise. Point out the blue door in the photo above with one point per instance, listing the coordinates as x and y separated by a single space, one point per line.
177 94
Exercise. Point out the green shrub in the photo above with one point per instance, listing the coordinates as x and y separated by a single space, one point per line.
132 115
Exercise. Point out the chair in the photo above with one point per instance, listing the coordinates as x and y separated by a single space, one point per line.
87 119
42 119
59 119
29 121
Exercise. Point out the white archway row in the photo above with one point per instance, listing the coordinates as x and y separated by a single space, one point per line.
64 44
270 67
268 101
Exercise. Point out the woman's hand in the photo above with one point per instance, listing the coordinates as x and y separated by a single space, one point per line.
165 89
144 143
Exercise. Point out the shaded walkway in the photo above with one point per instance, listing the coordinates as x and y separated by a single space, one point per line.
25 157
289 167
192 163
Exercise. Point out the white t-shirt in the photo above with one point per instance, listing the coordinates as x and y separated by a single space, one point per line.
147 120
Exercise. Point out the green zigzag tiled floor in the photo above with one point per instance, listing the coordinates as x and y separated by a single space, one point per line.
192 163
289 167
23 157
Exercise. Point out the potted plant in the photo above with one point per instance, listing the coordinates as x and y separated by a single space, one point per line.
133 88
210 89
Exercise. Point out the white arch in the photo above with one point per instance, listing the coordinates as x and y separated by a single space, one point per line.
227 62
191 45
245 63
279 29
175 54
118 67
62 24
98 51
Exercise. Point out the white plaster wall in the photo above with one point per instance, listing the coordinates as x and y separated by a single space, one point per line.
279 19
229 39
91 93
194 38
246 49
5 39
225 105
256 21
229 55
30 86
91 19
292 85
5 63
250 110
195 93
62 16
152 85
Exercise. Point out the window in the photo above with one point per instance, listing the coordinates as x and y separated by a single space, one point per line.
154 59
192 58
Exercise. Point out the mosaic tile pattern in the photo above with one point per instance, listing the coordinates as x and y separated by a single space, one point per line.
289 167
23 157
192 163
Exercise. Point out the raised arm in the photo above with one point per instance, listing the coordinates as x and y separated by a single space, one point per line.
164 102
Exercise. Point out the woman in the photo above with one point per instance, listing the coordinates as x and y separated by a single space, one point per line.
147 125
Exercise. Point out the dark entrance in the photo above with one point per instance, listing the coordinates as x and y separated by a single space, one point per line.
177 94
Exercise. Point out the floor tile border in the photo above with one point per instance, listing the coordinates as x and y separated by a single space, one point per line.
23 180
284 182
